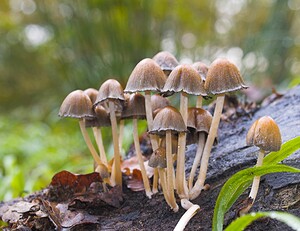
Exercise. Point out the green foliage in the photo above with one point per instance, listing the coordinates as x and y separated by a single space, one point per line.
240 181
242 222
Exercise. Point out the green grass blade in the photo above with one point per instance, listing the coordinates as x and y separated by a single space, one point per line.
286 150
235 186
242 222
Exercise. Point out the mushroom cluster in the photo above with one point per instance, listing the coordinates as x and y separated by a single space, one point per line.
170 130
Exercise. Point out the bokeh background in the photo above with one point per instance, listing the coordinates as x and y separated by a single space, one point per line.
50 48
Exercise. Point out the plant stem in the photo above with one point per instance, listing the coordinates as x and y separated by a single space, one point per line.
197 159
116 171
196 190
140 158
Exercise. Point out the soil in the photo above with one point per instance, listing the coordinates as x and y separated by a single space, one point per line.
279 191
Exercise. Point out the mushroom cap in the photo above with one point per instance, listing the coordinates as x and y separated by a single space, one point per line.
77 105
165 60
158 158
201 68
186 79
146 76
168 119
111 90
92 94
223 76
199 119
265 134
134 107
102 118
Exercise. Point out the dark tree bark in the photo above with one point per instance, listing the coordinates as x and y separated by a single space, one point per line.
279 191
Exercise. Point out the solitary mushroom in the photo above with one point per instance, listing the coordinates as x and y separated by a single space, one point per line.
184 80
265 134
166 61
222 77
135 109
168 122
111 97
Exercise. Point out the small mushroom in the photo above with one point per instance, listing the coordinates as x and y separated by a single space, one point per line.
135 109
167 122
166 61
78 105
222 76
184 80
111 97
265 134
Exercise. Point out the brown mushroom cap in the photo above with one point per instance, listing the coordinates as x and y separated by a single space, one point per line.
165 60
265 134
92 94
77 105
158 158
112 90
223 76
168 118
201 68
135 107
102 118
146 76
186 79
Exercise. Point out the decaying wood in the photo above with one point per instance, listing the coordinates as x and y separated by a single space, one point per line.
279 191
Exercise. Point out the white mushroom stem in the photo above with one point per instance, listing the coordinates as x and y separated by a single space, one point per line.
199 101
153 140
196 190
170 171
140 158
99 141
187 216
255 183
201 142
89 142
180 171
116 174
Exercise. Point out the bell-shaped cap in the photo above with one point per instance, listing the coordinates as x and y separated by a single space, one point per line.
77 105
168 119
102 118
134 107
223 76
158 158
111 90
186 79
166 61
146 76
92 94
201 68
265 134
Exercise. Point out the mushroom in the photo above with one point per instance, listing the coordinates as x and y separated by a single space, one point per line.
184 80
265 134
199 121
166 61
78 105
111 97
168 122
202 69
135 109
222 76
147 77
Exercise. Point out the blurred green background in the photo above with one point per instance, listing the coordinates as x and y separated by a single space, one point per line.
49 48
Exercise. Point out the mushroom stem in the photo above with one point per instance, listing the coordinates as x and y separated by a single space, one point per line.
116 171
196 190
187 216
197 159
99 141
140 158
89 142
180 171
170 171
199 101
